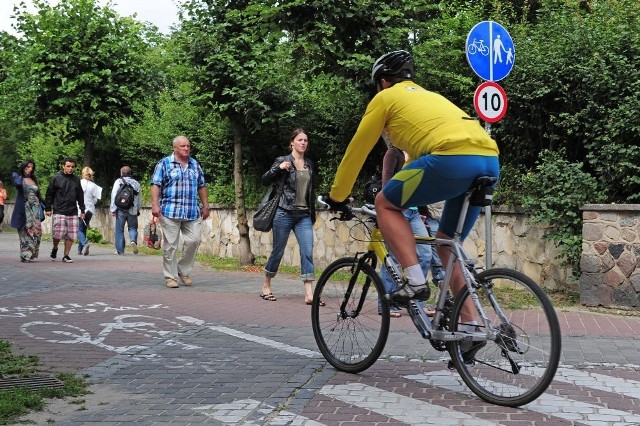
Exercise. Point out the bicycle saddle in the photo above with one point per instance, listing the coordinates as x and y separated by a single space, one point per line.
482 191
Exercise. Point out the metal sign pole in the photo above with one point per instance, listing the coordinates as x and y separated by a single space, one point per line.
487 221
490 100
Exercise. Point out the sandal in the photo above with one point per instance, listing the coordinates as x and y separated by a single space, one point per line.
269 297
393 313
321 303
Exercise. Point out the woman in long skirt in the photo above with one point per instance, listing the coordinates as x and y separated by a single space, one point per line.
26 211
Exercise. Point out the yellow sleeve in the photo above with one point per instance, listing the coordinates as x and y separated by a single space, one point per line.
361 144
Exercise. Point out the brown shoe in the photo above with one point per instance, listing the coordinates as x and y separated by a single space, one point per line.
186 280
171 283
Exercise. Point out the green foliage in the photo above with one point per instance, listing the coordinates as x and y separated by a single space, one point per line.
617 167
554 193
232 50
17 402
213 148
168 116
510 191
11 364
576 85
80 62
47 148
94 236
325 107
12 128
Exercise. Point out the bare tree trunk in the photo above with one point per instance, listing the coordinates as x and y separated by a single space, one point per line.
88 153
246 256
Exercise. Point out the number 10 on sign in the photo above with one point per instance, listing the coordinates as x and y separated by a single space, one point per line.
490 102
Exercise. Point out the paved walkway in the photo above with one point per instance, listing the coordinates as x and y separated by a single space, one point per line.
184 356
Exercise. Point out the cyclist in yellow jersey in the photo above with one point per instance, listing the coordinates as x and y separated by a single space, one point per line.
447 151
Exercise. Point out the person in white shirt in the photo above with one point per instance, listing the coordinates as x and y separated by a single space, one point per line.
92 193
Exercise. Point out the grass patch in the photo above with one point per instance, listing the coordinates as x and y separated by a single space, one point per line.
564 298
20 401
233 264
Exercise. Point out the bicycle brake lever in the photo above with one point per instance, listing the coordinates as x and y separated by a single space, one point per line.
346 215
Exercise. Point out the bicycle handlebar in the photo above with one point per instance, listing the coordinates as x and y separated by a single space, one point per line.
347 213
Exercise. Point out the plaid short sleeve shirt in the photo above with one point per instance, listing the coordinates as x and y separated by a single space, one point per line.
178 187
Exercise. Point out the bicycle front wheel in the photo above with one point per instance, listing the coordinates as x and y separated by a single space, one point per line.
351 328
519 364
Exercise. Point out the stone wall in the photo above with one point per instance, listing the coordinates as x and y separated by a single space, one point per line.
609 264
516 243
610 255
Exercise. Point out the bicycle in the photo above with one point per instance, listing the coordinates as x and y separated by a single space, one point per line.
501 362
478 46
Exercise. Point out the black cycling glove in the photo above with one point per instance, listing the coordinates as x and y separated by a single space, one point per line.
336 206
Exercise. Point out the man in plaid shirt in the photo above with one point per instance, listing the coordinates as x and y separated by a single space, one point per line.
176 183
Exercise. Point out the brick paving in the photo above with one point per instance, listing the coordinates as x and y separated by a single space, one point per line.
216 353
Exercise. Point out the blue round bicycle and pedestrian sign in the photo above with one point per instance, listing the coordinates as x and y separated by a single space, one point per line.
490 51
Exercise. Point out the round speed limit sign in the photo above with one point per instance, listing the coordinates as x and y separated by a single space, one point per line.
490 102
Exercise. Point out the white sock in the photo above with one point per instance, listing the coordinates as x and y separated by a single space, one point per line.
469 327
415 275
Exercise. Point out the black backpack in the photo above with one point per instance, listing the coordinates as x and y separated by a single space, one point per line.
371 189
125 196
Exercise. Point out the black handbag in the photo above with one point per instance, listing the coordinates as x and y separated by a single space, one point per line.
263 217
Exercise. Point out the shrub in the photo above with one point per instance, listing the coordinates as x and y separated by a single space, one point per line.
94 236
554 193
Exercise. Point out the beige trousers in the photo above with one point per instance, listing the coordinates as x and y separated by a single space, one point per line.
176 232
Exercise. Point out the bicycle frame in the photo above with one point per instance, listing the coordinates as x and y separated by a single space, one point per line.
496 357
459 259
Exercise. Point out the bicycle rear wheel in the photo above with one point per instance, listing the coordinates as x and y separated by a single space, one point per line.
349 329
520 363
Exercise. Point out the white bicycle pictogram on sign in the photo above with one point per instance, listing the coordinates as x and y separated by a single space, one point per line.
478 46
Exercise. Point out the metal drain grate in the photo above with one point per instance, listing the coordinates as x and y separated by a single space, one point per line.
33 382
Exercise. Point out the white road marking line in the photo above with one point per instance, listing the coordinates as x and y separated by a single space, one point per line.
597 381
556 406
237 412
252 338
399 407
588 414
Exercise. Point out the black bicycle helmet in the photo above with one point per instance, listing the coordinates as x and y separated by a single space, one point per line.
398 63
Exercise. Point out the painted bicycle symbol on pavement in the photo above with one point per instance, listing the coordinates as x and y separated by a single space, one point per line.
142 325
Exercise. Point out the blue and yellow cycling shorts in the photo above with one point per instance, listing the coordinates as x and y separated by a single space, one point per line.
433 178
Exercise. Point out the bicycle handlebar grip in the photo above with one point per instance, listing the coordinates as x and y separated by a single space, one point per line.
369 211
322 203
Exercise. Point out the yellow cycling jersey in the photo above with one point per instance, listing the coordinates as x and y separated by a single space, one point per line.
417 121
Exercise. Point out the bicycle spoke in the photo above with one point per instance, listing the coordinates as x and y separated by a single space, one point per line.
518 365
353 338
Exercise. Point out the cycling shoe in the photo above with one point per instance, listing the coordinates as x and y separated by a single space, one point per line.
411 292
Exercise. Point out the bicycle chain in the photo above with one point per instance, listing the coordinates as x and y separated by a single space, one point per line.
445 324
